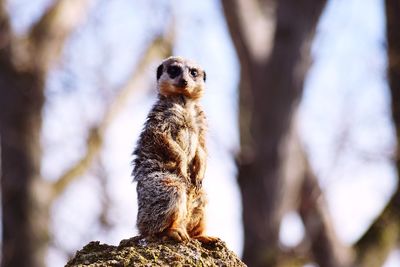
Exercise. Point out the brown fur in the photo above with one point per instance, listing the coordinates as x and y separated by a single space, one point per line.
170 157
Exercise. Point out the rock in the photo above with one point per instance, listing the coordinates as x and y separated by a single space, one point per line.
138 251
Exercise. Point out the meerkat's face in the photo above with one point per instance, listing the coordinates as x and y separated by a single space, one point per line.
178 76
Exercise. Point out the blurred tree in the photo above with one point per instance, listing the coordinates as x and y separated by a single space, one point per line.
272 40
24 65
383 235
393 52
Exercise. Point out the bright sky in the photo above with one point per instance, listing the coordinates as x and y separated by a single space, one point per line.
344 116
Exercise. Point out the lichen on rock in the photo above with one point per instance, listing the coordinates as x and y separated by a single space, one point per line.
138 251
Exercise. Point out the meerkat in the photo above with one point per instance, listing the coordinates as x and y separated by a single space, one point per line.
170 156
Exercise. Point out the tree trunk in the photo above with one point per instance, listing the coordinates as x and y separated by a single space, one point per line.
393 52
21 102
24 216
24 63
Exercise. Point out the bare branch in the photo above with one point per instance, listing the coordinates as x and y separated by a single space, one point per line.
104 198
47 37
159 48
231 10
252 27
381 238
327 249
94 143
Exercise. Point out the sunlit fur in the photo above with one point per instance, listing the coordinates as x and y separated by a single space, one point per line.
170 159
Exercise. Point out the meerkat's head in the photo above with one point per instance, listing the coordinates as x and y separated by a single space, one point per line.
179 76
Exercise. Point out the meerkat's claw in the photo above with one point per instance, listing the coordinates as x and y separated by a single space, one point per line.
177 234
206 239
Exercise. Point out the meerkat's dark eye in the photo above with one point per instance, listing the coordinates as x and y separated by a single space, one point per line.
194 72
174 71
159 71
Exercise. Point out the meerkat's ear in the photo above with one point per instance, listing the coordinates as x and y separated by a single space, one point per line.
159 71
204 75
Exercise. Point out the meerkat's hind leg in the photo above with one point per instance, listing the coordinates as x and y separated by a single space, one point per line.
177 230
177 212
198 233
197 225
162 206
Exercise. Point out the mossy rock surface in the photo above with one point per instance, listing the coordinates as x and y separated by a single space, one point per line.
138 251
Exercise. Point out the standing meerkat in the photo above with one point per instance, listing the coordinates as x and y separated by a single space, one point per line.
170 157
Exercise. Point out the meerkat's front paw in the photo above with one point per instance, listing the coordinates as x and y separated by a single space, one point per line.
177 234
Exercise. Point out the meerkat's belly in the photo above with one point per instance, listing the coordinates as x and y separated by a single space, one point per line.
188 137
193 143
188 140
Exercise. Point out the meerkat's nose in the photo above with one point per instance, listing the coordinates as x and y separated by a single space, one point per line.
183 82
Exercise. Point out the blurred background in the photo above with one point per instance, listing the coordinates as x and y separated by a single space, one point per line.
303 103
